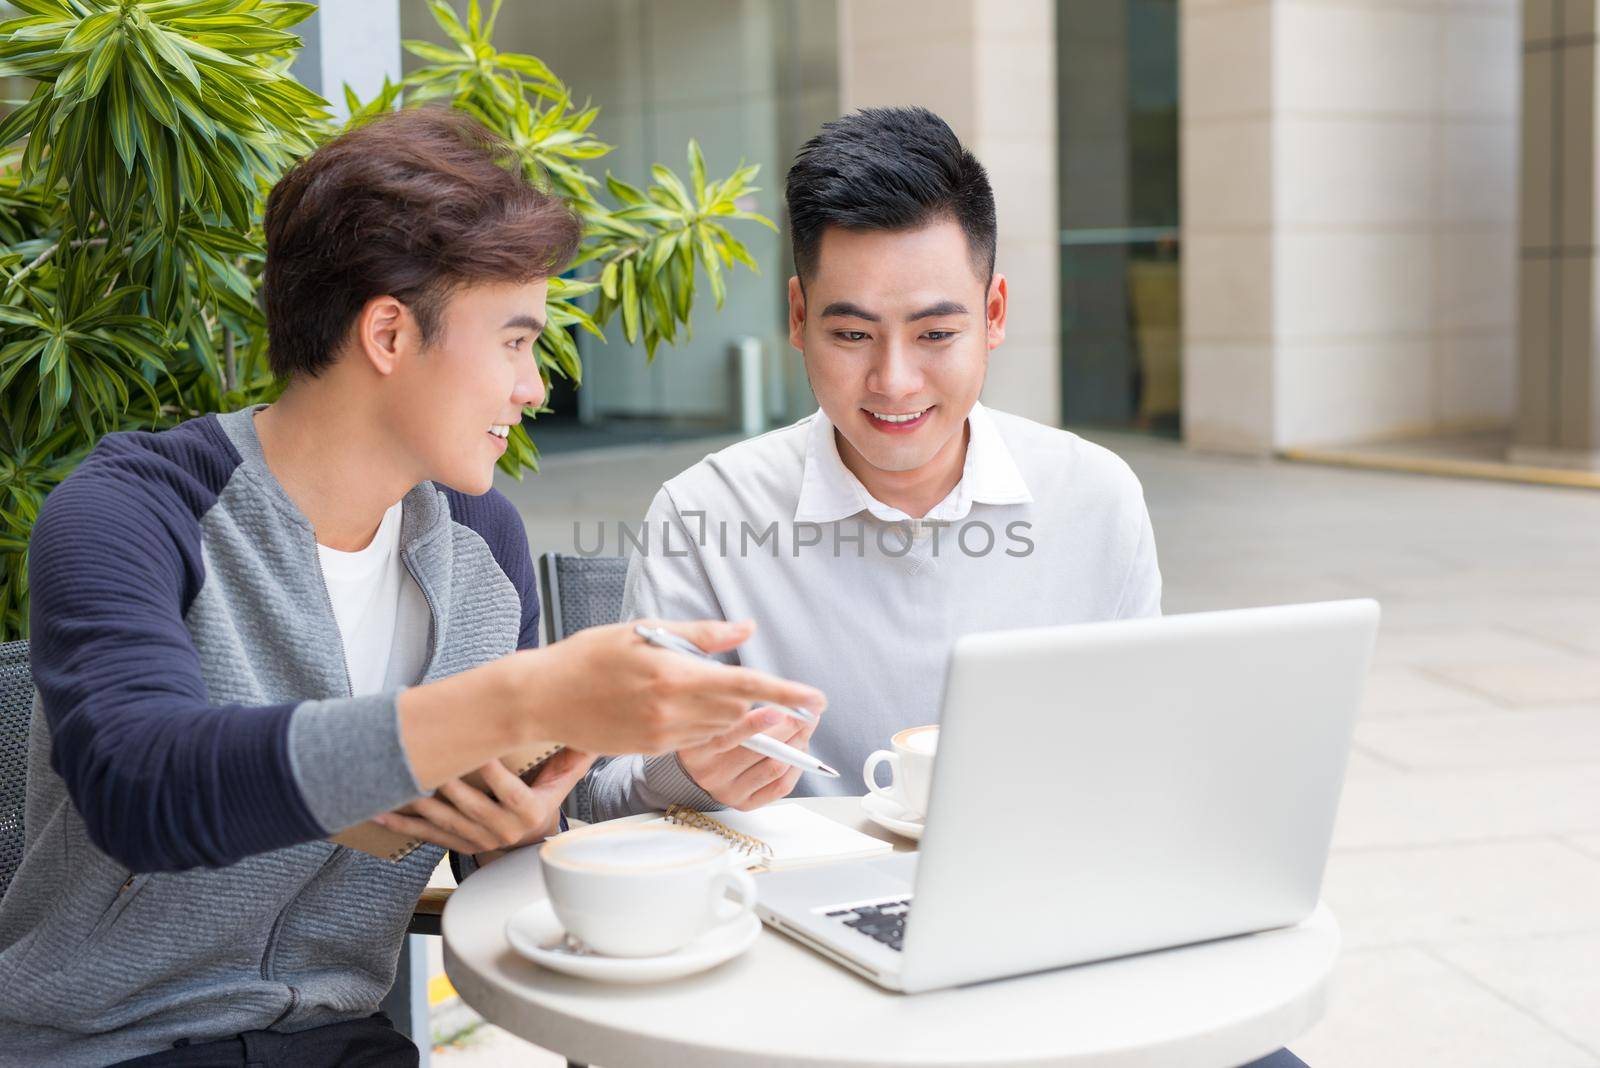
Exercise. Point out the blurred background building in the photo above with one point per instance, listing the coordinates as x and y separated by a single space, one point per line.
1266 226
1307 227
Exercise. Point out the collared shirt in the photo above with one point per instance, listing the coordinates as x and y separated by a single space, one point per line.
864 602
830 491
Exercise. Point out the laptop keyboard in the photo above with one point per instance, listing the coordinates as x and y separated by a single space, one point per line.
883 922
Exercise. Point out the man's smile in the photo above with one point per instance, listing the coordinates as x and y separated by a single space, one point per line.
898 422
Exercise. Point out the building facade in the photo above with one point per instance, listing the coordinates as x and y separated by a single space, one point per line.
1258 224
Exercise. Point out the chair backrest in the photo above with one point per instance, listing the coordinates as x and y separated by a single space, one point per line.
579 592
16 712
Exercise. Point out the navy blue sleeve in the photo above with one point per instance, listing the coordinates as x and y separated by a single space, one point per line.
496 521
163 779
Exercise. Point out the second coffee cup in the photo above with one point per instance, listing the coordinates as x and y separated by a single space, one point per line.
910 768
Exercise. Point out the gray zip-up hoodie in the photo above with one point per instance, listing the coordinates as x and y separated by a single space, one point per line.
194 741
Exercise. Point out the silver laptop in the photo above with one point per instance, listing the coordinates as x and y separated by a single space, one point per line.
1104 789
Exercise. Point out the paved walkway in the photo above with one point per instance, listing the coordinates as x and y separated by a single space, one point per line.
1466 865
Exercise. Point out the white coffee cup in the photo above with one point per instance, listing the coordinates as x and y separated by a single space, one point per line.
642 891
910 769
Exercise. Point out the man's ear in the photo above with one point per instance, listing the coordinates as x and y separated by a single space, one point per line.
385 334
797 314
994 310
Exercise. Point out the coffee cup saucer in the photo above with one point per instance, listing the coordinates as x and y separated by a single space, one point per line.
534 932
891 817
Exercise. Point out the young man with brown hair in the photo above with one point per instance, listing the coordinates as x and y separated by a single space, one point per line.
259 628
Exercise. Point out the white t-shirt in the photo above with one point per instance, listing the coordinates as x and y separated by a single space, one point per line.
382 615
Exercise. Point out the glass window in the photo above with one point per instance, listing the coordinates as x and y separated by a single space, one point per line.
1120 307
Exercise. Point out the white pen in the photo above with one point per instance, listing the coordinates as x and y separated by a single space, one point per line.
764 744
768 746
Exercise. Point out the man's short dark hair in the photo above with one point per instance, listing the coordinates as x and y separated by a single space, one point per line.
888 169
412 205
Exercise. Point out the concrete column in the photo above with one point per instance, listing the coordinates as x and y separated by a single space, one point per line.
1558 413
349 42
1348 220
989 70
1227 213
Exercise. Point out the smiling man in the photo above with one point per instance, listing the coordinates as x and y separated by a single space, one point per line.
867 537
257 629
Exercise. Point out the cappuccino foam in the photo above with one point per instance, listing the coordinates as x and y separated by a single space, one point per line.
924 743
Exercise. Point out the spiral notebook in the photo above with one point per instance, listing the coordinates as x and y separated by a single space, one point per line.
777 836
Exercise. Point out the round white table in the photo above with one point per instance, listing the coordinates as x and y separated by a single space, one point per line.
1215 1005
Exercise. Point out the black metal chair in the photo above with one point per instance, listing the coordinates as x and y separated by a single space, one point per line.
16 711
579 592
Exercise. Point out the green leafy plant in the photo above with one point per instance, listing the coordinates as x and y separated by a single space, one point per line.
132 180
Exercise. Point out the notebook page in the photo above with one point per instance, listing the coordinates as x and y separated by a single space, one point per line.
799 836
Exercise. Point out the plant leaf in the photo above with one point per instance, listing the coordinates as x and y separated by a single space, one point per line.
697 172
630 301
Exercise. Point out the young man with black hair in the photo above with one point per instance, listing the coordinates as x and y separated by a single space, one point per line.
257 629
903 513
867 537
